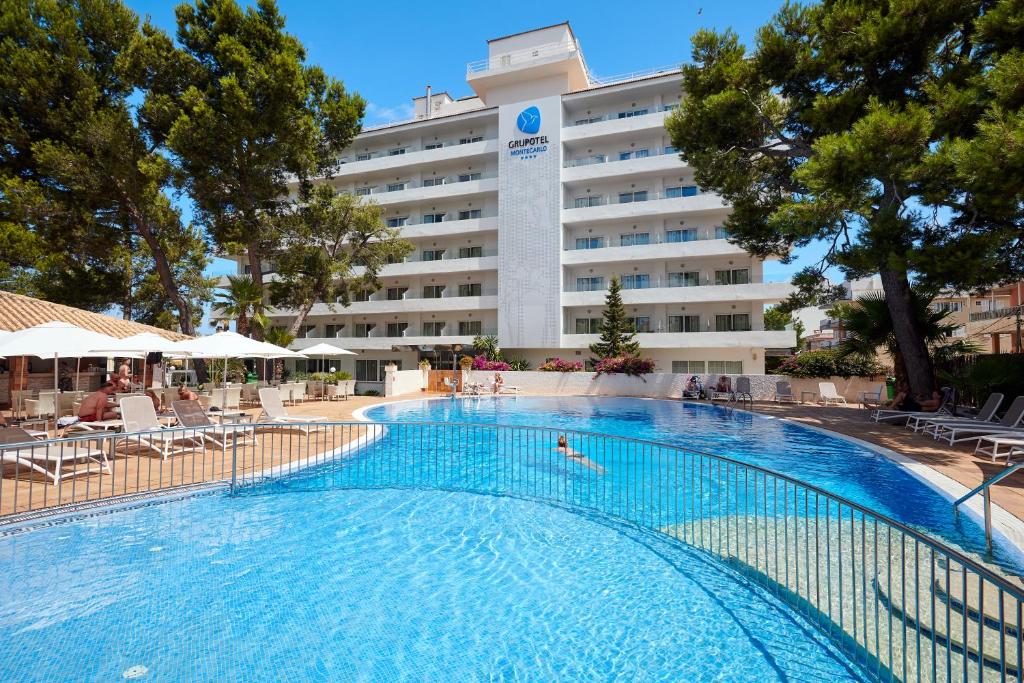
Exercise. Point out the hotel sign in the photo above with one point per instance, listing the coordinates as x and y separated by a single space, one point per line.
528 122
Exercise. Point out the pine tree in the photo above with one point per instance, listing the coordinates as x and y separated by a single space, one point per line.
618 336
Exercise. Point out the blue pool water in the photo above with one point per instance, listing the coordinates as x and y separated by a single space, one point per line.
836 465
403 585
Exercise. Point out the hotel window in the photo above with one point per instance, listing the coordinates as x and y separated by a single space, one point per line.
363 191
950 306
669 107
672 236
361 295
634 239
434 145
398 222
363 156
466 177
471 252
470 289
333 331
433 182
641 323
670 149
681 191
684 323
433 217
373 370
396 151
589 242
582 202
634 154
588 325
583 122
725 367
396 187
433 291
363 330
629 197
397 329
737 322
468 215
469 328
687 279
306 332
433 254
631 114
738 276
636 281
688 367
721 233
590 284
397 293
475 138
433 329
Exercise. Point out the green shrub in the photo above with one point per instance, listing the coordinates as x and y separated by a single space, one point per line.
828 363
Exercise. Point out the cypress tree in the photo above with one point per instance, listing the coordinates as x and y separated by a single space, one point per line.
618 336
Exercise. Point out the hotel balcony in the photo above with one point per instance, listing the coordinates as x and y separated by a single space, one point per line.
615 127
382 161
445 265
660 293
561 58
659 251
696 340
379 341
411 302
454 188
468 226
654 205
591 168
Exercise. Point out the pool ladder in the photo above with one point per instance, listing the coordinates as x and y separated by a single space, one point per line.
986 495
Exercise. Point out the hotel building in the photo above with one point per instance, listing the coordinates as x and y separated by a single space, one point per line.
523 200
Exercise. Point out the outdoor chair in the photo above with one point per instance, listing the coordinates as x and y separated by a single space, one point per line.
275 413
929 424
1009 425
829 395
893 415
42 406
991 443
743 392
190 414
870 399
725 395
56 455
784 392
143 426
341 389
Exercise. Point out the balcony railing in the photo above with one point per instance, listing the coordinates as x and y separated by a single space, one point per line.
418 295
611 158
382 333
662 327
384 153
452 256
523 57
997 313
634 197
658 283
700 236
619 116
411 185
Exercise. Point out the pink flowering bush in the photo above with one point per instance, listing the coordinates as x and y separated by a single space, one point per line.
481 363
624 365
560 365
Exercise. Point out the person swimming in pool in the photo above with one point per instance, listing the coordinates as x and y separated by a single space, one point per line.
563 447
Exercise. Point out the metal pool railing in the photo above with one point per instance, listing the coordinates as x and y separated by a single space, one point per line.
904 606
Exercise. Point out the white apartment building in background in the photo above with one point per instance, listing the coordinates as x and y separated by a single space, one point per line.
522 201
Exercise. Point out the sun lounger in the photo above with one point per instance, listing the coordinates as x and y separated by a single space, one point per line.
990 444
142 427
57 455
1008 425
892 415
725 395
784 392
743 392
870 399
274 412
190 414
986 414
829 395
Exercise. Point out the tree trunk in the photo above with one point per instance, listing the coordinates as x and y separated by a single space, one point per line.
300 318
242 324
909 337
163 271
256 273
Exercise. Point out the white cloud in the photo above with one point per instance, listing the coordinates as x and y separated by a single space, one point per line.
377 114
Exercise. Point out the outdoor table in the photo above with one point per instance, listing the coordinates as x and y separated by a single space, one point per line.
812 394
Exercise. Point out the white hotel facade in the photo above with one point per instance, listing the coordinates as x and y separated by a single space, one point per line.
523 201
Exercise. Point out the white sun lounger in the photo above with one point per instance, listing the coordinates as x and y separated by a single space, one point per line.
829 395
143 428
191 414
274 412
986 414
892 415
1008 425
990 444
56 455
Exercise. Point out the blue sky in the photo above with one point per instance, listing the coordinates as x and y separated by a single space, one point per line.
389 52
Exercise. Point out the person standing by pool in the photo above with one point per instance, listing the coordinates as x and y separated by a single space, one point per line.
498 381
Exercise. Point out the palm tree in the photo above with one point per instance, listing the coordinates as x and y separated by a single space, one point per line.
869 327
279 336
243 302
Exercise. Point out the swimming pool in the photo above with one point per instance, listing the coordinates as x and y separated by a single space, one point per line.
384 585
836 465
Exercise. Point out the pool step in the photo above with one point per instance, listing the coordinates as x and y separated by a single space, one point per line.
852 582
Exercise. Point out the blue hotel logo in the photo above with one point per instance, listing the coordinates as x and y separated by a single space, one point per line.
528 120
